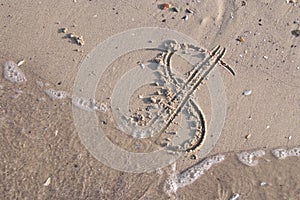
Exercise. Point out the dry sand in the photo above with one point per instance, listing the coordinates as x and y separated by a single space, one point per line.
41 154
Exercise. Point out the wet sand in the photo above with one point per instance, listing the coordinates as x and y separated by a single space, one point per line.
42 156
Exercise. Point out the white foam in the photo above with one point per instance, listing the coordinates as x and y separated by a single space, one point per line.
247 158
56 94
283 153
170 186
85 104
192 174
13 73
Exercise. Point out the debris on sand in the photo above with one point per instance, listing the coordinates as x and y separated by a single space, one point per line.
47 182
21 62
296 32
75 38
78 39
189 11
164 6
185 18
240 39
248 136
234 196
63 30
292 1
175 9
13 73
247 92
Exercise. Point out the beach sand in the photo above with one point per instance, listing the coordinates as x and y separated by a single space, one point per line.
42 156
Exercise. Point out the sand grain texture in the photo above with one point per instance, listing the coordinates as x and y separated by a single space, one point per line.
41 155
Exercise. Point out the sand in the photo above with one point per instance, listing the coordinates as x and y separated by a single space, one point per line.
44 156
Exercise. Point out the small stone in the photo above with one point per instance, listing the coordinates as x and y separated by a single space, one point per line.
153 100
248 136
185 18
296 32
234 196
164 6
263 183
293 1
142 66
174 9
47 182
21 62
240 39
189 11
247 92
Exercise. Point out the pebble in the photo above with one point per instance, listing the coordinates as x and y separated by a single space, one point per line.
234 196
174 9
185 18
189 11
142 66
165 6
247 92
263 183
47 182
248 136
21 62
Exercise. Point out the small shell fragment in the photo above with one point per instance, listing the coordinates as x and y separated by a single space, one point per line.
142 65
189 11
247 92
296 32
78 39
240 39
234 196
185 18
293 1
153 100
47 182
21 62
64 30
164 6
263 183
248 136
174 9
